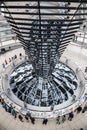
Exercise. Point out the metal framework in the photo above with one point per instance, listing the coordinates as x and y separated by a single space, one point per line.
6 33
45 28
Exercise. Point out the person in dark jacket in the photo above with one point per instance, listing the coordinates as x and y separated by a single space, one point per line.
79 109
45 121
71 115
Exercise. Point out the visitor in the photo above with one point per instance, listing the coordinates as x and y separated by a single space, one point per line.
79 109
13 112
4 105
20 55
6 62
71 115
29 114
15 57
26 117
63 119
9 60
9 48
58 120
2 101
20 118
45 121
9 108
32 120
84 109
3 65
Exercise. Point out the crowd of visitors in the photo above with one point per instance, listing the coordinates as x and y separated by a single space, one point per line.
70 116
7 108
10 109
11 59
59 120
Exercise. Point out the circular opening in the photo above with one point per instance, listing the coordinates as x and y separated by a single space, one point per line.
54 90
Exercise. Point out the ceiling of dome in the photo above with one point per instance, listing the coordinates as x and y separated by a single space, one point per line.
45 28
